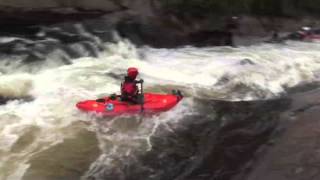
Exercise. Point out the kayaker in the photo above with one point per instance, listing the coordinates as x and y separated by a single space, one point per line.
129 88
304 32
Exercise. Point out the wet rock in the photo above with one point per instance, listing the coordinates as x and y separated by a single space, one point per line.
19 19
247 62
148 33
4 100
295 153
66 160
211 38
223 80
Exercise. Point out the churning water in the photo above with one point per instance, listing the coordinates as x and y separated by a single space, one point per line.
44 137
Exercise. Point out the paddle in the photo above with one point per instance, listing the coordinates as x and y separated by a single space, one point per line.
141 96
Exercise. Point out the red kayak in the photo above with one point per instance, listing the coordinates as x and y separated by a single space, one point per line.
313 37
153 103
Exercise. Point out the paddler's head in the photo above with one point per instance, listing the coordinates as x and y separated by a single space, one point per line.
132 72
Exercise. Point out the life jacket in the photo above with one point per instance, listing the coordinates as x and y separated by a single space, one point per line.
129 87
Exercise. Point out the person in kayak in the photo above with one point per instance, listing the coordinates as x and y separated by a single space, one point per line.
129 88
302 34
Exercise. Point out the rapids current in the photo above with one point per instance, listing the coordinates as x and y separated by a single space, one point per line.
232 100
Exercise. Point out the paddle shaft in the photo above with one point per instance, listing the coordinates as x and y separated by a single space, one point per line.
142 97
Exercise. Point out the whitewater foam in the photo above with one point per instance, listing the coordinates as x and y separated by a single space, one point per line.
15 86
243 73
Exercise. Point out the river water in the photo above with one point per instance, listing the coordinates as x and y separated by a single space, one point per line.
44 137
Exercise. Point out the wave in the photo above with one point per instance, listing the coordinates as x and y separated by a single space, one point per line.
15 86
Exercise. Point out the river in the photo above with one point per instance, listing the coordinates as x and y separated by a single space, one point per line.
233 96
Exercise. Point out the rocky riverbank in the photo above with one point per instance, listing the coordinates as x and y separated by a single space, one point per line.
141 22
293 152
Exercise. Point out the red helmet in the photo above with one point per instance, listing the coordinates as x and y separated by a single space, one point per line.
132 72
